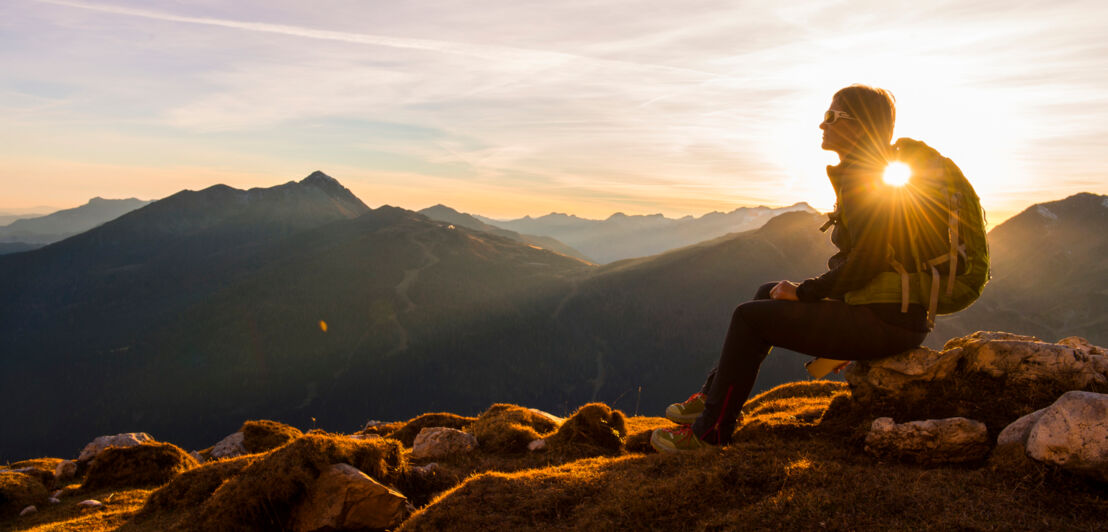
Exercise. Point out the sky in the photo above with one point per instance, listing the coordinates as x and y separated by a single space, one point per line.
512 107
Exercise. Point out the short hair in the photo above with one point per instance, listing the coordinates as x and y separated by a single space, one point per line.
874 108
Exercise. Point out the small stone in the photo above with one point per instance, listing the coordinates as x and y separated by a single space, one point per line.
426 469
934 441
65 470
365 436
537 445
229 447
440 442
557 420
53 500
1017 432
28 510
90 504
58 493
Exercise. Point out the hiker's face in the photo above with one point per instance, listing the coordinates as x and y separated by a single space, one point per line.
842 134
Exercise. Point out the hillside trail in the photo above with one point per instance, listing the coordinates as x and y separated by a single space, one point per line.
412 275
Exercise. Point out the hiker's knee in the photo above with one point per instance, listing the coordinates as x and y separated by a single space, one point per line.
763 291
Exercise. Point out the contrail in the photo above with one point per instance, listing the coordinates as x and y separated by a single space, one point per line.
499 53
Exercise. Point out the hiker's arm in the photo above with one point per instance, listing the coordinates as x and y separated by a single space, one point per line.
868 223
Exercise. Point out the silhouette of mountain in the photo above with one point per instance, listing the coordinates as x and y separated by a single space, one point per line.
443 213
298 302
65 223
621 236
212 304
1050 274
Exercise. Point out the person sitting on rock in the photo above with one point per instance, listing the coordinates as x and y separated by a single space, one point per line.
812 317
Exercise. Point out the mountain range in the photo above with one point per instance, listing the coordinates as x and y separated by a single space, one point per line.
621 236
35 231
300 303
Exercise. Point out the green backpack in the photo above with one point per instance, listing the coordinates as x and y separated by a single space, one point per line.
936 190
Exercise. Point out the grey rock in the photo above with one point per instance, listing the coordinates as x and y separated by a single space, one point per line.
53 500
28 510
65 470
90 504
440 442
1073 433
1017 432
344 498
229 447
128 439
537 445
934 441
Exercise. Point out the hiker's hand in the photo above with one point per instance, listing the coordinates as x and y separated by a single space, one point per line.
785 290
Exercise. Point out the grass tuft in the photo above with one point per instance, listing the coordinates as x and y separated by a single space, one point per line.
593 429
146 464
259 436
505 428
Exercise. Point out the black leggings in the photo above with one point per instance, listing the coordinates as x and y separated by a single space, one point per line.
830 329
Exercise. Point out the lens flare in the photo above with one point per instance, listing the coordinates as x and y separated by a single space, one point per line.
897 174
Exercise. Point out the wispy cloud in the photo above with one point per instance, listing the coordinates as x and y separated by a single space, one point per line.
635 104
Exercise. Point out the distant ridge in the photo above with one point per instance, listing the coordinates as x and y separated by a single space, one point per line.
50 228
622 236
446 214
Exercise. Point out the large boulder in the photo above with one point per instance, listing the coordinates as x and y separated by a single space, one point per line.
993 377
1071 433
934 441
97 445
1021 358
344 498
441 442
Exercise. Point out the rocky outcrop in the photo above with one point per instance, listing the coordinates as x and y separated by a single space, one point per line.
934 441
441 442
65 470
992 377
229 447
1071 433
345 498
96 446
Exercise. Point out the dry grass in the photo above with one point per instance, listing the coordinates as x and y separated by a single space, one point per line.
40 468
796 463
193 487
407 432
785 471
259 436
507 428
263 495
19 490
120 506
149 463
592 430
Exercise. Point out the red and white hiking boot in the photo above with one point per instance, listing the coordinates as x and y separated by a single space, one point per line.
687 412
677 440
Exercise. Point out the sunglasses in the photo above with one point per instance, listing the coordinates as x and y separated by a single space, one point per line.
831 116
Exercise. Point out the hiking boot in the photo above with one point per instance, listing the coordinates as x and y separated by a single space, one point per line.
676 440
687 412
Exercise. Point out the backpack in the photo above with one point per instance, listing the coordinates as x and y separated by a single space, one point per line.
950 270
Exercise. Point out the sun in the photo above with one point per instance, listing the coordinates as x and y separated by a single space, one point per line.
897 174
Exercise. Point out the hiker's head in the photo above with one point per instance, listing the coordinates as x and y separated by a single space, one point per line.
860 119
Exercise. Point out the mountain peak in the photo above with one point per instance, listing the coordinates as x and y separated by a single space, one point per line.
319 177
